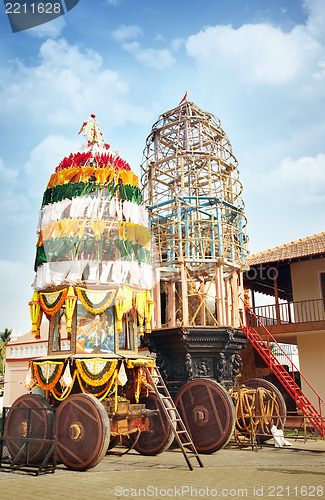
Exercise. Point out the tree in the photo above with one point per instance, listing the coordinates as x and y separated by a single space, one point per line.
4 339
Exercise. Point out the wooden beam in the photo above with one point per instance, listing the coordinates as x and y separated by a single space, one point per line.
220 296
184 294
202 307
171 304
234 298
156 298
276 295
227 301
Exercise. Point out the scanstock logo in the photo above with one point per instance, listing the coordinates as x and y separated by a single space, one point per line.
30 13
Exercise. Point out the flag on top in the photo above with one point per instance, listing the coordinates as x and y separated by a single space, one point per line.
184 98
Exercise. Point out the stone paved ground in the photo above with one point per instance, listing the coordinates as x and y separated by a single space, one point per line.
292 472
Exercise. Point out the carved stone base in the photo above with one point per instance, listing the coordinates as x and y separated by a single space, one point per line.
189 353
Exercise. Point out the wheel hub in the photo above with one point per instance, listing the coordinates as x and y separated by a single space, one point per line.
76 431
200 415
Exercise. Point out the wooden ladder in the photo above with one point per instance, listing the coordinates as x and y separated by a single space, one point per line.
286 378
173 417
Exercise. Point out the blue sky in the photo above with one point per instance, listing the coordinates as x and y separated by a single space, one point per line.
258 65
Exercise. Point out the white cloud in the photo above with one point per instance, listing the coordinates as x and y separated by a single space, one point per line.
160 38
15 293
59 55
177 43
64 88
51 29
124 33
43 160
113 2
14 208
151 58
253 53
7 174
154 58
298 182
316 17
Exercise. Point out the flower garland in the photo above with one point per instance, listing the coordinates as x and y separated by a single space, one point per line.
140 377
65 393
70 303
52 302
106 367
102 394
149 309
140 302
36 315
48 373
140 362
106 299
137 384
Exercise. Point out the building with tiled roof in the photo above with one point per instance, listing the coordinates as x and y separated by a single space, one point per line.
305 247
293 276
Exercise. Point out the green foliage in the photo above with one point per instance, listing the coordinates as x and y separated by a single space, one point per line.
4 339
5 335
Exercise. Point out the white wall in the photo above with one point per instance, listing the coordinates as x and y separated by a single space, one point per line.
305 276
311 349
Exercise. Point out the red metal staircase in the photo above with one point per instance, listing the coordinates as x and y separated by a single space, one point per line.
286 378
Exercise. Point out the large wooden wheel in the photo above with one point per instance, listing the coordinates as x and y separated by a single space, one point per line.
84 432
208 413
275 410
40 427
160 435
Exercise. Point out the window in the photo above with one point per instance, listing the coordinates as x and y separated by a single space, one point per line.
322 285
58 341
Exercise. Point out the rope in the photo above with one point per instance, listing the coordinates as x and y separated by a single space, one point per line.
257 410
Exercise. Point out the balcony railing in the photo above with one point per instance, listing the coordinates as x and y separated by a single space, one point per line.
303 311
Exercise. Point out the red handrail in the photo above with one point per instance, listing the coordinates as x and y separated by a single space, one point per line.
268 334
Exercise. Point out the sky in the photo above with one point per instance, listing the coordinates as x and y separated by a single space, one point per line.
258 65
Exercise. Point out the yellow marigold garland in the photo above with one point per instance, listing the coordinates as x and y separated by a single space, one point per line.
81 295
35 311
52 310
140 362
101 395
100 381
54 381
137 384
70 303
63 395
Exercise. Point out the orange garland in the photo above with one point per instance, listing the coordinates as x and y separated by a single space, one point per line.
53 310
51 385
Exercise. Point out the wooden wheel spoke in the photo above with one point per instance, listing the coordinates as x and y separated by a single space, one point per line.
69 452
215 410
84 411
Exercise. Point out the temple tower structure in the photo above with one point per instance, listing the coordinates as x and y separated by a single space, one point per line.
191 187
193 192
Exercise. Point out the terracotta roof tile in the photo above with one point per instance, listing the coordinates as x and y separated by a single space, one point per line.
305 247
